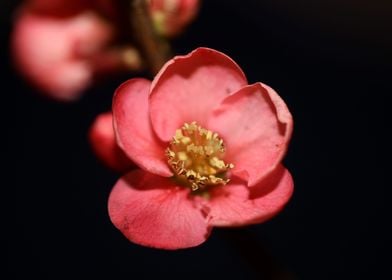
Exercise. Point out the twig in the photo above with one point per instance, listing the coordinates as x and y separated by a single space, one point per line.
154 49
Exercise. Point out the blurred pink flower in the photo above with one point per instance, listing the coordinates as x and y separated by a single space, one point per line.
209 147
60 46
104 145
171 17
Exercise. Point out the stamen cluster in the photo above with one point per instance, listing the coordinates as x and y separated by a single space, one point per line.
195 154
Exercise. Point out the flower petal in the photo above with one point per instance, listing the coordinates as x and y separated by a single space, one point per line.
133 129
235 204
104 145
256 127
48 50
152 211
189 87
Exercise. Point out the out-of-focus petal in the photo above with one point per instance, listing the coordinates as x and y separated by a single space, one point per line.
171 17
53 52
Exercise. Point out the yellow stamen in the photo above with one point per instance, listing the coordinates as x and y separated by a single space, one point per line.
195 154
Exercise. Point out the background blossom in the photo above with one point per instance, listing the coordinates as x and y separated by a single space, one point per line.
64 47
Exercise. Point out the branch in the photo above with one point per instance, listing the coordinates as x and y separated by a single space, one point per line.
154 49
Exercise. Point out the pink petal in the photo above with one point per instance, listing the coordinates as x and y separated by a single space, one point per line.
235 204
53 52
256 127
151 211
104 145
133 129
188 87
67 81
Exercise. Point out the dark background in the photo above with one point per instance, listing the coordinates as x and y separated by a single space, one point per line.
329 60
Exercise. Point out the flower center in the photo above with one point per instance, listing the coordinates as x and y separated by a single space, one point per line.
195 154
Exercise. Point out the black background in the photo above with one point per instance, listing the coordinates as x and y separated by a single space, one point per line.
330 62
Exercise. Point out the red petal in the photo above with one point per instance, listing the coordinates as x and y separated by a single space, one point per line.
189 87
235 204
151 211
256 127
103 143
133 129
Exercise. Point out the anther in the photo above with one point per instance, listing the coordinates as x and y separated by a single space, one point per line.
195 154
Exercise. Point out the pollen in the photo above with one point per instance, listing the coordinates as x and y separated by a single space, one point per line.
195 155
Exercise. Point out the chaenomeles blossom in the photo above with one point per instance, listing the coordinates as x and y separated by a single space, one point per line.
62 46
208 147
171 17
103 143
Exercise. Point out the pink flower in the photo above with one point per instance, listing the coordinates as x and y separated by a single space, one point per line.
170 17
209 147
60 46
104 145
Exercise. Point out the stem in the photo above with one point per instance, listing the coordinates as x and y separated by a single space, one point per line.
153 48
133 21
